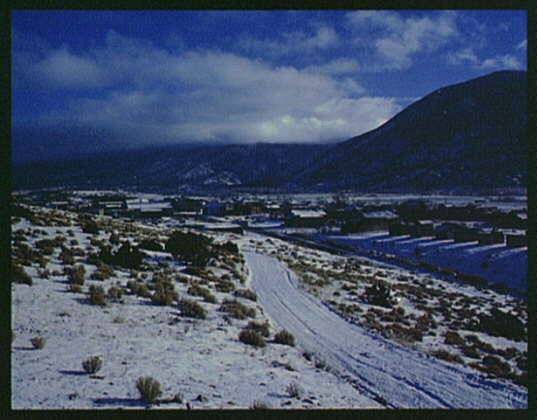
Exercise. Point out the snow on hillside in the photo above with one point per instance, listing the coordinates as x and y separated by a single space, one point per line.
398 376
201 359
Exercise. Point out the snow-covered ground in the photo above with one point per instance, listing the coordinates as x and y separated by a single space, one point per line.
136 338
335 362
381 369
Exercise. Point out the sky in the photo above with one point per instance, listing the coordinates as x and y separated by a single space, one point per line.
165 77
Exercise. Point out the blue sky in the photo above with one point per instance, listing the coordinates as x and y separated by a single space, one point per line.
245 76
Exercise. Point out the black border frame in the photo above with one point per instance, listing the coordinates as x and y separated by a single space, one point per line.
5 190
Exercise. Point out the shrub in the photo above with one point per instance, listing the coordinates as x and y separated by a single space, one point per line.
246 293
89 226
193 249
495 366
237 309
92 365
378 294
97 296
149 389
163 297
224 286
192 309
454 338
46 246
143 290
284 337
251 337
471 351
445 355
294 390
115 293
262 329
19 275
502 324
230 247
103 272
205 293
38 342
76 275
151 245
128 257
133 285
67 258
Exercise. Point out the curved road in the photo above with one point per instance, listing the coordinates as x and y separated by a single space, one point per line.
381 370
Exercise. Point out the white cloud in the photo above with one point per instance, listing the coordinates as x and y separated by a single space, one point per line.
323 38
397 40
506 61
149 93
464 56
336 67
467 56
64 69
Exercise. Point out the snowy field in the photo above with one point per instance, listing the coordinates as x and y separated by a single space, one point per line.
401 377
202 360
343 357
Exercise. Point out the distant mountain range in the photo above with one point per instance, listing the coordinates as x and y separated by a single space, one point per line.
468 137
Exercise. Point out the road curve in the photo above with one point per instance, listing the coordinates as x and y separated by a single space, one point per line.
380 369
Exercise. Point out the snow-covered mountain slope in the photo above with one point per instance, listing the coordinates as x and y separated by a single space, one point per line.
380 369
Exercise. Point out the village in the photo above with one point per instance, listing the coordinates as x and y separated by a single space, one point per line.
480 220
483 238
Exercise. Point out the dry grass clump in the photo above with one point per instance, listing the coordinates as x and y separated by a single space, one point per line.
251 337
76 275
284 337
246 294
447 356
261 328
19 275
236 309
196 290
92 365
149 389
453 338
165 293
192 309
103 272
224 286
115 293
97 296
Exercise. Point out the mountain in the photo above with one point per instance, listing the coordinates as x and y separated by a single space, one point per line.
465 137
172 168
469 137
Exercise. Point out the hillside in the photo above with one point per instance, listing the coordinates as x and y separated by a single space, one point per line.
466 137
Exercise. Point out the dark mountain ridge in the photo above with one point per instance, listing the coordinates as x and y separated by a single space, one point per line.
468 137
